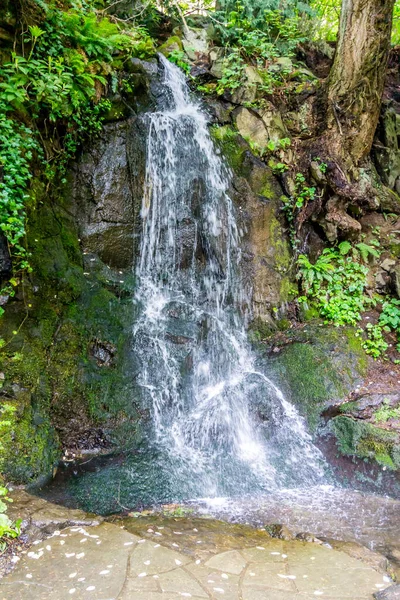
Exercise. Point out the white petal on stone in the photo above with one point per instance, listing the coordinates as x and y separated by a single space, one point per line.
128 543
72 575
156 546
275 553
72 591
80 555
178 562
81 578
156 577
386 579
35 555
36 542
57 533
312 558
185 594
177 532
211 581
150 531
198 561
252 574
219 590
90 588
141 541
156 533
225 576
62 542
63 535
379 585
318 593
160 527
29 576
105 572
147 562
284 555
98 543
109 566
142 574
15 559
83 540
48 548
69 555
260 548
175 545
195 530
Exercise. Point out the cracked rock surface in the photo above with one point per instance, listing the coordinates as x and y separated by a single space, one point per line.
171 559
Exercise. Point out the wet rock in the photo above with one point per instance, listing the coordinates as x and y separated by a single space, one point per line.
280 531
373 559
391 593
365 406
105 206
103 352
309 538
41 518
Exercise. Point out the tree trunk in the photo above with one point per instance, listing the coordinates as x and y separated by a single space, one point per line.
356 81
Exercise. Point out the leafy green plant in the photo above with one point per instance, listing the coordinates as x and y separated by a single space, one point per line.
386 412
336 285
178 57
375 344
232 74
8 529
58 88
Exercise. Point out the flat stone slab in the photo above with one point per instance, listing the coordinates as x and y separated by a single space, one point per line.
173 559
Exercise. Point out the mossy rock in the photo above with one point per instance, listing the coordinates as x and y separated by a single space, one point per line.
318 367
232 145
52 378
365 440
173 44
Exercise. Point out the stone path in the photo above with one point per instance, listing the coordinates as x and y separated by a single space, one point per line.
173 559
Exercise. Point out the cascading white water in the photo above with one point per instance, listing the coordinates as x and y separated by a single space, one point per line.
197 372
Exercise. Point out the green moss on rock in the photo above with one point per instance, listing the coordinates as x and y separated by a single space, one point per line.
318 367
52 377
232 146
365 440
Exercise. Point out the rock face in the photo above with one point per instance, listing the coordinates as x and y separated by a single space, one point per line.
71 385
265 245
105 207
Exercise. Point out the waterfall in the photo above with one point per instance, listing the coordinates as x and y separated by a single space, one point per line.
218 426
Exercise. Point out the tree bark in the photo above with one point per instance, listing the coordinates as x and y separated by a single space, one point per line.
357 78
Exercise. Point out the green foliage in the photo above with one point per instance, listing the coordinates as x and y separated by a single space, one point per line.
57 88
386 412
261 28
375 344
178 57
292 205
390 315
233 72
8 529
336 284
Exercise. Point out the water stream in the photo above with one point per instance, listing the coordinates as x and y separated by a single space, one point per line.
197 373
221 438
